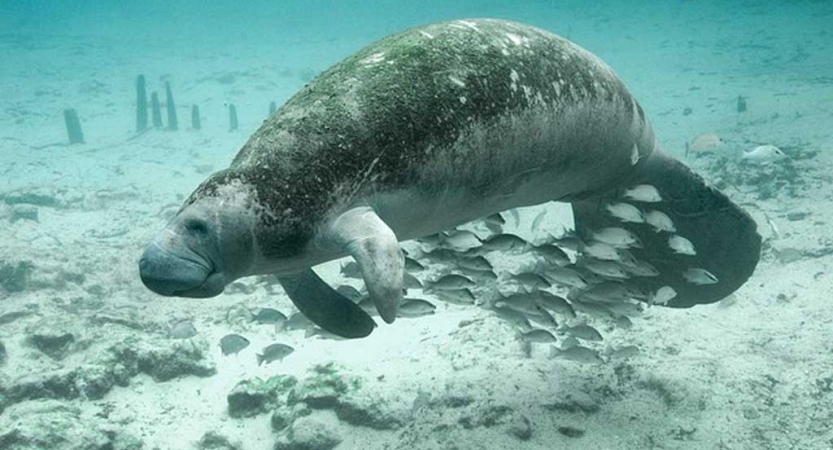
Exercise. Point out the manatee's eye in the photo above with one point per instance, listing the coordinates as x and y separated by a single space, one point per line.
196 226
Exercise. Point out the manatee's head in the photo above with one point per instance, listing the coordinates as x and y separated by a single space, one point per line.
208 244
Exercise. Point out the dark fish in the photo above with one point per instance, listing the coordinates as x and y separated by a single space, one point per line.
412 265
416 307
351 269
577 353
451 281
584 332
552 254
547 317
505 242
411 282
457 296
182 330
495 219
268 316
476 263
349 292
274 352
233 344
529 280
514 317
536 222
538 335
298 321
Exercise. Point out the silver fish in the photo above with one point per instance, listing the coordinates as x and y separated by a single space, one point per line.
505 242
274 352
643 193
556 304
577 353
412 265
349 292
660 221
641 269
552 254
477 263
538 335
596 310
624 322
568 240
512 316
182 330
416 307
681 245
607 292
545 315
529 280
584 332
411 282
601 250
699 276
450 282
268 316
566 276
625 212
351 269
617 237
233 344
605 268
624 352
457 296
299 321
536 222
663 295
461 240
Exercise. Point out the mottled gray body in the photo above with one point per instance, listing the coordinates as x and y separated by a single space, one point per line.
418 133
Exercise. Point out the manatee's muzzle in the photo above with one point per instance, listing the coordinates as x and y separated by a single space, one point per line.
169 274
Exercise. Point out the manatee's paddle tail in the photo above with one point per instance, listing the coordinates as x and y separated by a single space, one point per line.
724 236
325 307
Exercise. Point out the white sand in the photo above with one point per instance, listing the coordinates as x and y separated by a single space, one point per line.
714 362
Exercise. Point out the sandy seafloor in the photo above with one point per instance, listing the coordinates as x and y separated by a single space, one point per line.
752 373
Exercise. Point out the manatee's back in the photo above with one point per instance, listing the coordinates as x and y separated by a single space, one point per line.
486 99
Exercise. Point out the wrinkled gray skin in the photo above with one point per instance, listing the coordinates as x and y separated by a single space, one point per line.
420 132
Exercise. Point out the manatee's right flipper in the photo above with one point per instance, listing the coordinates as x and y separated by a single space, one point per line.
325 307
724 236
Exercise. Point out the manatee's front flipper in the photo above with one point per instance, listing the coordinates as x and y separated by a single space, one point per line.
325 307
369 240
725 238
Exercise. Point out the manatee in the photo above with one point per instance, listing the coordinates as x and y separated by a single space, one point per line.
425 130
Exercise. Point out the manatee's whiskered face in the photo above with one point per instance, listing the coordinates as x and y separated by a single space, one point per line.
206 246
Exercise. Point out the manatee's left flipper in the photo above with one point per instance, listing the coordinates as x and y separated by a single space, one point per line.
325 307
724 236
371 242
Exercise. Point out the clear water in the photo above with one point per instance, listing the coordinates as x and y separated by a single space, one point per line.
90 358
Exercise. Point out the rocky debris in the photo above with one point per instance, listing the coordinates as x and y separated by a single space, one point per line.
317 431
115 367
24 212
363 408
15 276
520 427
55 337
215 441
13 316
572 432
324 388
35 197
256 396
56 426
574 402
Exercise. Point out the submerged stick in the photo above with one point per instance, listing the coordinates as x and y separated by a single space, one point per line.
141 104
272 108
232 117
76 136
173 124
156 110
195 117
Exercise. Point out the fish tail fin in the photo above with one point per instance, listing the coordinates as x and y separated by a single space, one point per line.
259 359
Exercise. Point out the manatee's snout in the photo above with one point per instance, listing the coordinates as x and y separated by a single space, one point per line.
167 273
